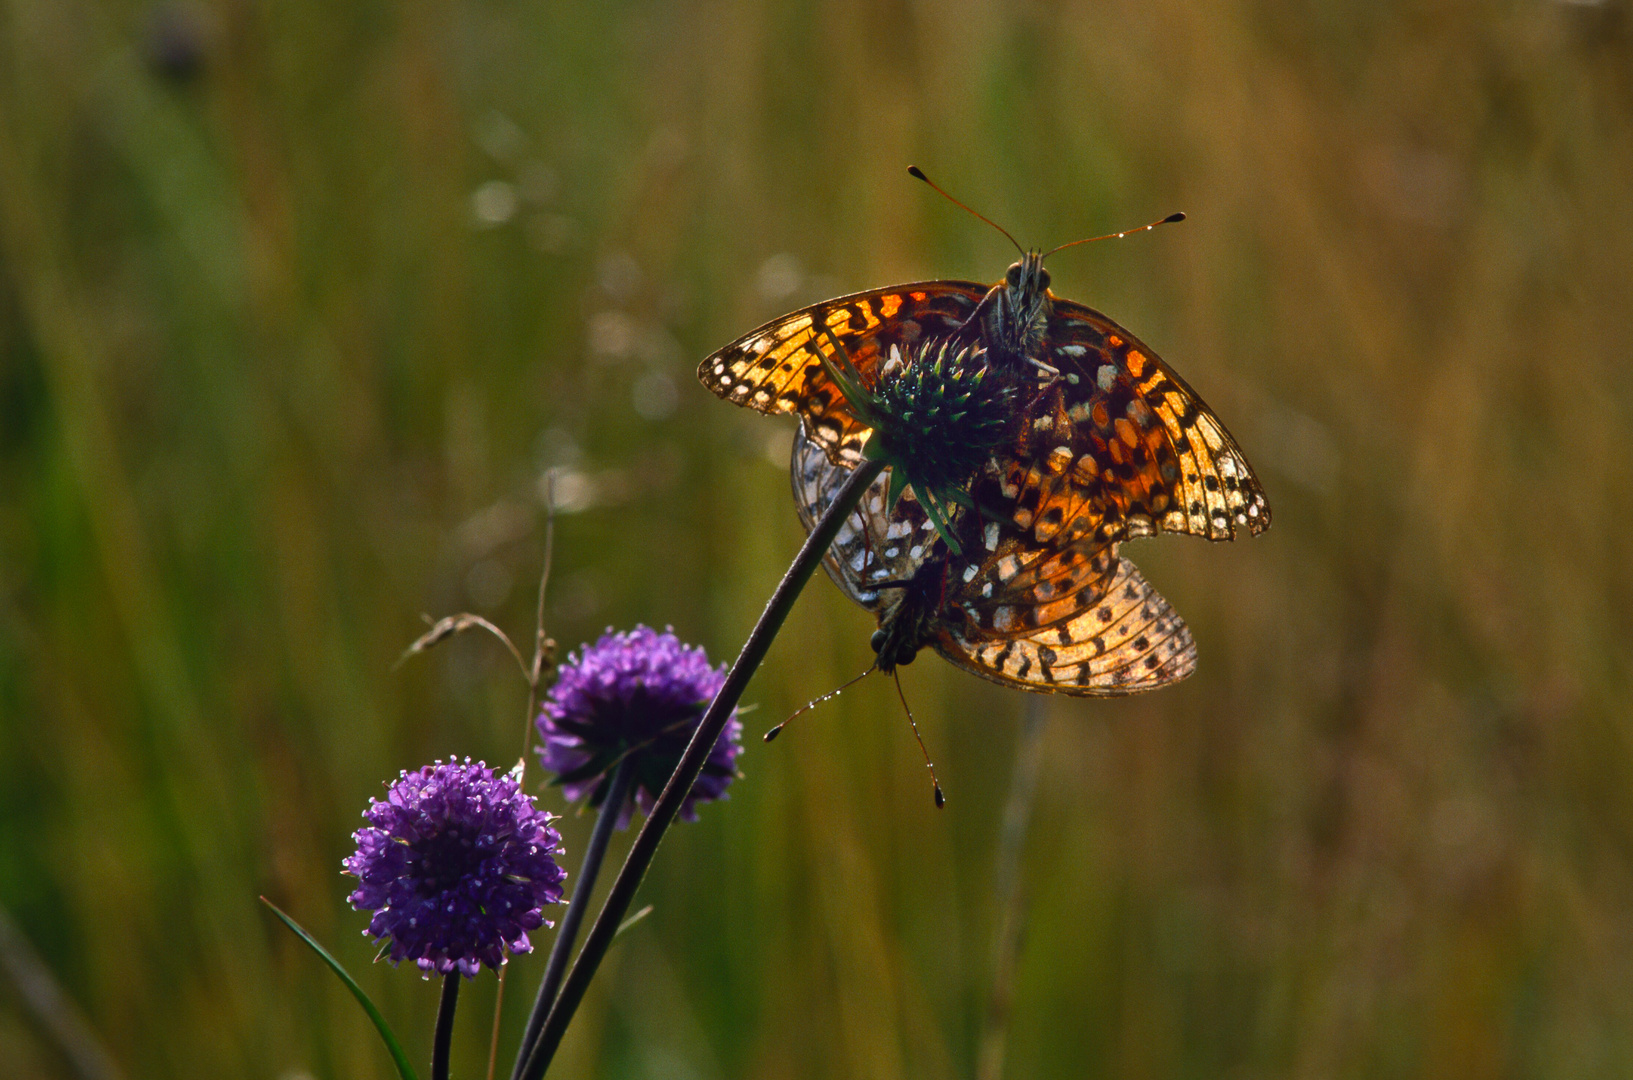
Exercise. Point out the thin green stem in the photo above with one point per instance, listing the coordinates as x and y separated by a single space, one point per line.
691 764
618 788
445 1025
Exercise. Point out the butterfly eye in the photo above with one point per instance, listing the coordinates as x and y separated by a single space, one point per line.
1043 278
1013 276
878 640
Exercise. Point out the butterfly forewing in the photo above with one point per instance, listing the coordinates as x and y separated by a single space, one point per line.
1122 444
778 368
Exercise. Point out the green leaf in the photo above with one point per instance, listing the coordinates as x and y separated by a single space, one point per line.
404 1069
844 375
934 513
898 483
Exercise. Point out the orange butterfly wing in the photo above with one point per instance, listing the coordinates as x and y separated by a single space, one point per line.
1120 446
1129 641
778 368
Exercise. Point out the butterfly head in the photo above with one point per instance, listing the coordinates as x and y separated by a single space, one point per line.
1016 315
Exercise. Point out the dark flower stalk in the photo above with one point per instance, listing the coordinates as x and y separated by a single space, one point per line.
612 729
614 802
692 763
444 1037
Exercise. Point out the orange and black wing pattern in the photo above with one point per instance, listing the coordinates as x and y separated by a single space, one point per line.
1125 640
778 368
1119 446
1072 618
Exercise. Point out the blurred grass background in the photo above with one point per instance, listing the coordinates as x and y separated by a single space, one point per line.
299 302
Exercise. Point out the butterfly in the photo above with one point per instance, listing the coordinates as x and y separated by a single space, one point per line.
1107 427
1108 444
1075 619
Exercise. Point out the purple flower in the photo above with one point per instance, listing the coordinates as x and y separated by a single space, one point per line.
637 695
456 864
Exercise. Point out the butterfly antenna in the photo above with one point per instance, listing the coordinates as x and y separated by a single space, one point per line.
1169 220
809 705
914 170
935 782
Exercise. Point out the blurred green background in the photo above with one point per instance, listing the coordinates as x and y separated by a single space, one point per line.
300 301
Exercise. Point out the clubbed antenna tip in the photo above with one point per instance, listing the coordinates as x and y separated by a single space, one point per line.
918 174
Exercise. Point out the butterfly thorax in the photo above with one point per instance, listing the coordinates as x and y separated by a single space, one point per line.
1013 318
908 623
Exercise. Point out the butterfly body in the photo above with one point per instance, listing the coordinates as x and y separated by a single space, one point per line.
1013 318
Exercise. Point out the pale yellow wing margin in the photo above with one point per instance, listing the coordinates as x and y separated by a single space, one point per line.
1132 641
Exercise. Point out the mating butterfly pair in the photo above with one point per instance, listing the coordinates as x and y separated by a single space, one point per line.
1109 444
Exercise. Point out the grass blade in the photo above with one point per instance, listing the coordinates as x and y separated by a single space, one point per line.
404 1069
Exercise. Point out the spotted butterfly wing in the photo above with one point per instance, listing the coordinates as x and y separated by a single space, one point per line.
1075 620
1128 641
873 545
1120 444
778 368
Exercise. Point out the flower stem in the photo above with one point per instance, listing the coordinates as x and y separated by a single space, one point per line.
612 807
691 764
445 1025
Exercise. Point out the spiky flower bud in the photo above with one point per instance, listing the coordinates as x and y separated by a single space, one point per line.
936 416
939 416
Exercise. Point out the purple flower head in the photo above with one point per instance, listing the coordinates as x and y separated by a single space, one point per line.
455 864
639 695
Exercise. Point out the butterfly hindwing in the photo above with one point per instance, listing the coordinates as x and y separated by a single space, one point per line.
873 545
1001 587
1128 642
1009 584
778 368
